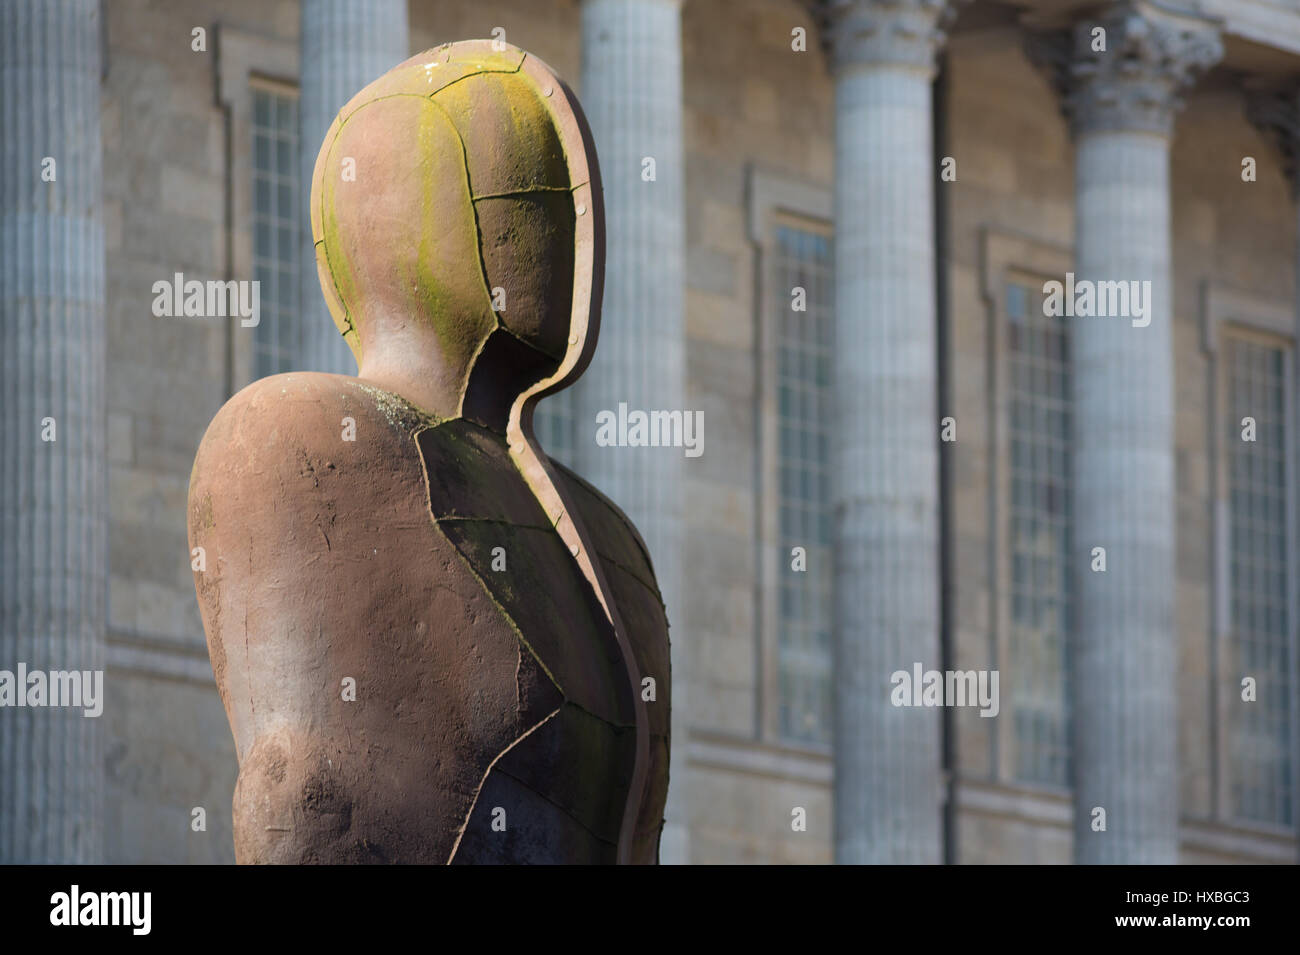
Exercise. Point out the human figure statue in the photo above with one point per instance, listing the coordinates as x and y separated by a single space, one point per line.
433 643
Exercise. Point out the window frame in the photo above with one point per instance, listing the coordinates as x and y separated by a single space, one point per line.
245 59
779 299
1006 256
1018 277
774 199
1231 314
268 85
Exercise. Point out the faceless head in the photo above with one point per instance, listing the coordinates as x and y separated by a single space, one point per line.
455 209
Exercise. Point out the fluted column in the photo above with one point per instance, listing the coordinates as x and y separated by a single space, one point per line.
1122 102
52 350
344 44
884 465
631 91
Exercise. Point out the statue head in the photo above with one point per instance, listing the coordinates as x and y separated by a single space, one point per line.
457 217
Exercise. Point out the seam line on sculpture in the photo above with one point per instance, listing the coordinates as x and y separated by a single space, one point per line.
329 265
491 520
633 574
564 809
522 192
378 99
509 618
505 331
478 232
579 706
553 524
613 509
460 79
478 791
424 470
596 716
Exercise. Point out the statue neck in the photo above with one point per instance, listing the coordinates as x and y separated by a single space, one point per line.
414 371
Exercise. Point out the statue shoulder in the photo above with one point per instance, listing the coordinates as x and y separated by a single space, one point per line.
308 408
289 446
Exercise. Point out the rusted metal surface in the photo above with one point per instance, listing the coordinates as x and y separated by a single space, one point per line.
498 618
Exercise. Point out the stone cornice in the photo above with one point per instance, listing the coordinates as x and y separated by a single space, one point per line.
1270 23
885 32
1152 54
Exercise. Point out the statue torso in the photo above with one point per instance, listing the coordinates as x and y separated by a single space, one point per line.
494 715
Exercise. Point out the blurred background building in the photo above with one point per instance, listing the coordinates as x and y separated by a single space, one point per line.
837 253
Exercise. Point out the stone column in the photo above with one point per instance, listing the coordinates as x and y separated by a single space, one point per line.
884 463
631 92
1121 102
53 520
344 44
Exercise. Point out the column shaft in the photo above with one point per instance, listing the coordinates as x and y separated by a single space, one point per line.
53 521
631 91
884 465
1125 661
1122 101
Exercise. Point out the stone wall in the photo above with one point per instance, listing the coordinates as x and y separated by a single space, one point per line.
751 103
168 748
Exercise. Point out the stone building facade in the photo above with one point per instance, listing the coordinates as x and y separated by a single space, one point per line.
841 255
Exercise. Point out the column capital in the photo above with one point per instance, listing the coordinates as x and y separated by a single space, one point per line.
1124 68
886 32
1275 111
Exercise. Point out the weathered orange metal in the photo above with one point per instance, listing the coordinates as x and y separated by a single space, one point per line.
433 643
